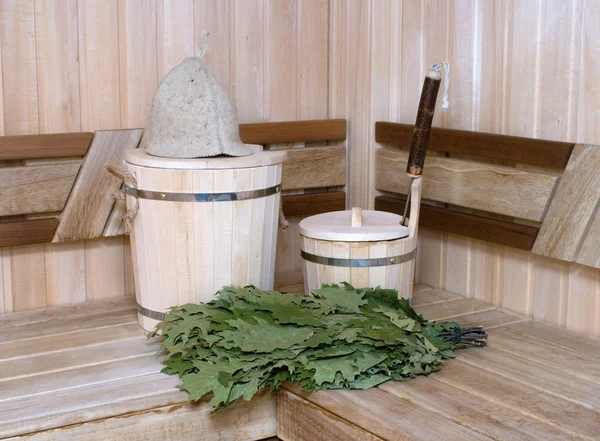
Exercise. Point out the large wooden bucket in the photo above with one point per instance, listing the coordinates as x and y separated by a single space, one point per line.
363 248
201 224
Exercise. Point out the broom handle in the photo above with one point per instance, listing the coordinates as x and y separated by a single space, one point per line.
416 158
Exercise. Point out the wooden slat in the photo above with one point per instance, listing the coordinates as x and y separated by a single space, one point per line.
309 204
36 189
20 349
559 336
432 296
589 252
493 318
453 310
301 420
314 167
573 207
502 190
386 416
27 232
293 131
518 367
487 417
55 145
64 312
254 420
539 152
571 417
89 205
466 224
570 362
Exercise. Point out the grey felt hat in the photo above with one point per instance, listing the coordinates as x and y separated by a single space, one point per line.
192 117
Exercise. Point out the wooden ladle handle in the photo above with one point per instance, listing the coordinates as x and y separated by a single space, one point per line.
416 158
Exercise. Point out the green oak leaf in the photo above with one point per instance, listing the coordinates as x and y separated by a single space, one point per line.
345 299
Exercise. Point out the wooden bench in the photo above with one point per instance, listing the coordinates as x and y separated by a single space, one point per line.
88 372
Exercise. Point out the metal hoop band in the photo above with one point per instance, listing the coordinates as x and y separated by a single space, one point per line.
359 263
203 197
150 313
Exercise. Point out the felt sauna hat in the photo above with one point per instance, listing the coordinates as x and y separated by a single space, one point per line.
191 115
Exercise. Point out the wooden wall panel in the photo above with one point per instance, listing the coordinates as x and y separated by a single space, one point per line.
84 65
521 68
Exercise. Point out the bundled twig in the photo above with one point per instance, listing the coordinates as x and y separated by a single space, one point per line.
475 336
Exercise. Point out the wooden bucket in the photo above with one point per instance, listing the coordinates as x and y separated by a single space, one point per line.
201 224
364 248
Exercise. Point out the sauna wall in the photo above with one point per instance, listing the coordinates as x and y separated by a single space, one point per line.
519 67
73 65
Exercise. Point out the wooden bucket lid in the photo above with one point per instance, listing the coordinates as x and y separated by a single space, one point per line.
259 158
354 225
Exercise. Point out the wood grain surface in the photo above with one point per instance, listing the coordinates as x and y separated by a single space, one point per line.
293 131
573 207
89 205
35 189
27 232
466 224
501 190
55 145
540 152
314 167
310 204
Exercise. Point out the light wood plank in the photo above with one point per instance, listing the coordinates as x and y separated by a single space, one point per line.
486 417
301 420
62 312
244 421
93 374
71 359
89 204
78 405
588 253
57 55
573 207
570 362
312 59
36 189
491 319
41 344
496 189
314 167
370 410
138 64
518 368
65 273
28 277
99 64
559 336
454 309
67 325
104 269
19 70
571 417
431 297
248 50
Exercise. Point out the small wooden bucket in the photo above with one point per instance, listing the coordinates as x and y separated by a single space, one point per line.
363 248
201 224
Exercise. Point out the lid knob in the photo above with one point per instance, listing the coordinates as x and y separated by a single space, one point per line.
356 217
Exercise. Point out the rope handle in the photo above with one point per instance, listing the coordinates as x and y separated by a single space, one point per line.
124 175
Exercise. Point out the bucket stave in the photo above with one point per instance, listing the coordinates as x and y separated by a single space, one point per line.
201 225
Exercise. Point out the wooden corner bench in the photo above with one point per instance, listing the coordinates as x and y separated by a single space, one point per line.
88 372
